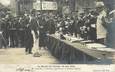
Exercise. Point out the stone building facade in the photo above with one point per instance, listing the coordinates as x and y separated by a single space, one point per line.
68 6
20 6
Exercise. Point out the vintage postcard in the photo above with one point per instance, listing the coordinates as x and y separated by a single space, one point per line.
57 35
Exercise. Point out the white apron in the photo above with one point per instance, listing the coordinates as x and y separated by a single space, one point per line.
101 31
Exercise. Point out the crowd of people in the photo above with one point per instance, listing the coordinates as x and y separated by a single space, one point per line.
82 26
16 31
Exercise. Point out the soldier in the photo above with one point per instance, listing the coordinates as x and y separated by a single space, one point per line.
92 32
10 30
21 32
16 31
75 28
13 33
5 27
63 26
80 25
51 26
71 26
42 33
3 42
86 26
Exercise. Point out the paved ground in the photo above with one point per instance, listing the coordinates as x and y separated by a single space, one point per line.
18 56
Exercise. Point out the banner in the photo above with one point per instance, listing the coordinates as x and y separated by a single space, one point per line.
46 5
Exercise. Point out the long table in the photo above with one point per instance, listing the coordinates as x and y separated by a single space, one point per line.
77 52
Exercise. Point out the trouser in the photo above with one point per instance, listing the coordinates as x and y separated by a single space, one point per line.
28 49
36 33
21 37
28 41
2 41
13 38
6 36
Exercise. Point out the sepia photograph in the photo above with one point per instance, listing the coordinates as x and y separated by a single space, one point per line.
57 32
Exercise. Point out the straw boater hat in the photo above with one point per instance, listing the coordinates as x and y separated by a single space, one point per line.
99 4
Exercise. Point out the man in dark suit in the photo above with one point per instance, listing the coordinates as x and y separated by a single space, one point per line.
28 40
42 33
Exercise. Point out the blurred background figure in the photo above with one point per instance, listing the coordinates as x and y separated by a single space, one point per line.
3 42
42 33
111 30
